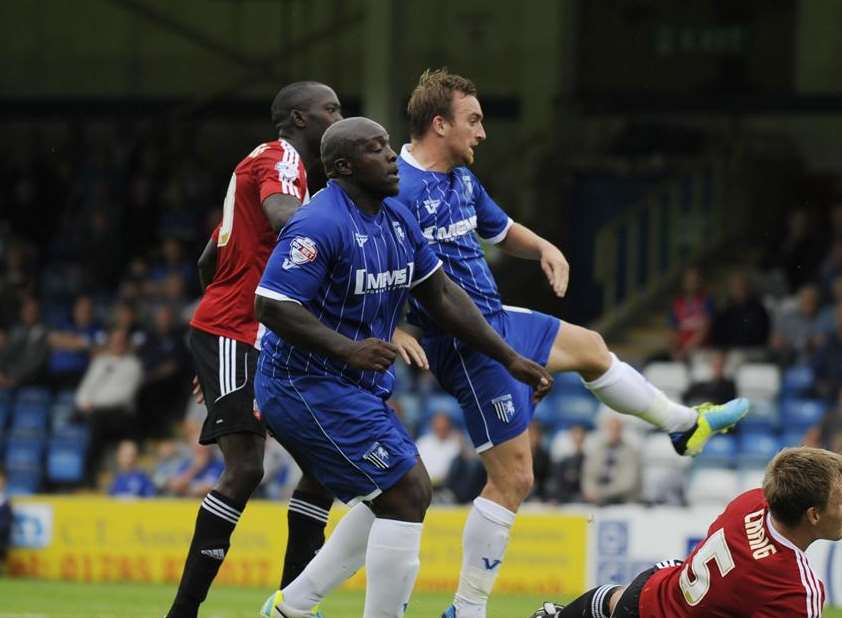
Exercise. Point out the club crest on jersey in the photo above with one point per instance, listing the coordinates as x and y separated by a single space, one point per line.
286 170
469 187
378 456
360 238
431 205
367 283
301 251
398 231
504 407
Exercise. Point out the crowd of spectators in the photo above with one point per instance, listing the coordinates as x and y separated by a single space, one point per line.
96 295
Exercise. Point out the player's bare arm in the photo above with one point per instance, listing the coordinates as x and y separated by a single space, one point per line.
301 328
453 309
207 264
278 208
522 242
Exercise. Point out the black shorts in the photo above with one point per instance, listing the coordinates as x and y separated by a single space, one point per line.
629 604
225 368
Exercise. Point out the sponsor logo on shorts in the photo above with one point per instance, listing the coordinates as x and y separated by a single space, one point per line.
504 407
378 456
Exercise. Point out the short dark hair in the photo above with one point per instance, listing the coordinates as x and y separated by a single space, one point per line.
800 478
433 96
290 97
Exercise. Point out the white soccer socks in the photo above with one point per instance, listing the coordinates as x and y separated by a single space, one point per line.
623 389
341 556
391 563
484 542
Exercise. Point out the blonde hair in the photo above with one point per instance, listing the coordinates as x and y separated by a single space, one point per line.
433 97
800 478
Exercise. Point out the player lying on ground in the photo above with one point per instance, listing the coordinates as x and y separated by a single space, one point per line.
450 204
330 296
752 562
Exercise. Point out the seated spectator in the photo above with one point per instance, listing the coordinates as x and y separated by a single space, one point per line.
692 316
438 448
23 356
124 317
826 322
166 375
827 362
796 328
199 474
466 476
173 457
131 481
718 389
567 473
744 321
281 473
106 396
611 471
541 466
5 522
71 345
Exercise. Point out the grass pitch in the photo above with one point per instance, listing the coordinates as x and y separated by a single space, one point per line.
21 598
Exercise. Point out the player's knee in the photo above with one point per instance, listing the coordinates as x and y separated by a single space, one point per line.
247 474
597 355
521 485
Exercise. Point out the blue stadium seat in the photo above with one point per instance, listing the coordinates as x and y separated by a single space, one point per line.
801 413
575 410
5 413
792 437
796 381
24 482
763 416
720 451
30 417
34 394
568 383
23 452
61 414
756 448
66 460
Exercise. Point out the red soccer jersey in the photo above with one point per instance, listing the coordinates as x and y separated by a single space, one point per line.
743 569
245 239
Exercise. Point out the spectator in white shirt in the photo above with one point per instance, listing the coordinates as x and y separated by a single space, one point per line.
438 448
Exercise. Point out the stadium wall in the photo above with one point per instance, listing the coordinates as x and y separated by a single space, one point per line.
100 539
555 551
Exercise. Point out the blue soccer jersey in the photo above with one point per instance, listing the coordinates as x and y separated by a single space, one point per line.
449 207
351 270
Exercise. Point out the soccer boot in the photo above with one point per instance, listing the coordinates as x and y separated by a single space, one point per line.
450 612
712 419
548 609
274 607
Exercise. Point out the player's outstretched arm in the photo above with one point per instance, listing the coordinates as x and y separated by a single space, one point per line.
454 310
522 242
301 328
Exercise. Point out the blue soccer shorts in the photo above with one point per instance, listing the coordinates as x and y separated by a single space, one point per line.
344 436
496 406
